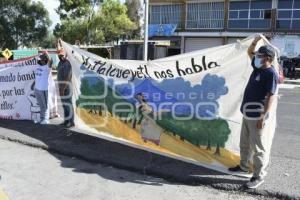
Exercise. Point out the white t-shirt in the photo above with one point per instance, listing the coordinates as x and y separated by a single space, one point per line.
41 77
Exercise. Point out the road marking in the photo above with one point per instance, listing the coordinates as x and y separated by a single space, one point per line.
288 86
3 196
291 103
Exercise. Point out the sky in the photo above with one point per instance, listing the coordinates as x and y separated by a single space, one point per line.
50 5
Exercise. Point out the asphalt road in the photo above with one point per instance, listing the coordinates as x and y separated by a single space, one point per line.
282 180
35 174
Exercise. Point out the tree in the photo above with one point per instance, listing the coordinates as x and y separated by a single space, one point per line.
49 42
134 11
112 20
22 23
71 30
73 9
108 23
220 134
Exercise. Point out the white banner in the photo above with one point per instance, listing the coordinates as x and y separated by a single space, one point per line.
185 106
17 98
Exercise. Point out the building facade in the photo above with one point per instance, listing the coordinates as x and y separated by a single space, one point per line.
202 23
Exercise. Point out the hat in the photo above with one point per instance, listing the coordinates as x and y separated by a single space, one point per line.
43 57
61 52
266 50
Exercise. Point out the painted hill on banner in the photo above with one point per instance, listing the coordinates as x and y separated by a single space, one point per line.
193 138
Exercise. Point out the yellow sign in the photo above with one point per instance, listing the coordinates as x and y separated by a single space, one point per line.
7 53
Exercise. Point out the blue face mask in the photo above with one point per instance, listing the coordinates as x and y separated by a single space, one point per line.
257 62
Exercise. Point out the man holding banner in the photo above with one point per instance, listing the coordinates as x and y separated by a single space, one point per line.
259 119
64 78
42 73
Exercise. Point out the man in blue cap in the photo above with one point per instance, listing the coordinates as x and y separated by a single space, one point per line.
259 114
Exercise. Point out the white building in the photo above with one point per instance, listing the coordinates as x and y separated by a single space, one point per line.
202 23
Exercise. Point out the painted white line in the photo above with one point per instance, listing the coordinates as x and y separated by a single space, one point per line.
287 86
291 103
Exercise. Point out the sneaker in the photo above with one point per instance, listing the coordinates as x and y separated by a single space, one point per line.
63 124
44 122
36 121
254 183
237 169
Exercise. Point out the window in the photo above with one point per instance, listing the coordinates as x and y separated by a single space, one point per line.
288 14
263 4
255 14
267 14
234 14
166 14
296 14
250 14
284 14
239 5
296 4
243 14
205 15
283 24
296 24
285 4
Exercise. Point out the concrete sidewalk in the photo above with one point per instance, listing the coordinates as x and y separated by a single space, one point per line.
281 182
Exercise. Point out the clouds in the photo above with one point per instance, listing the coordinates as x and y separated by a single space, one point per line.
203 96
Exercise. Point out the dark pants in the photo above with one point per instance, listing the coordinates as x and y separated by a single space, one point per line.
68 106
293 71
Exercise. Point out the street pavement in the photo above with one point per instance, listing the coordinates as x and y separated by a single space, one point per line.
35 174
282 180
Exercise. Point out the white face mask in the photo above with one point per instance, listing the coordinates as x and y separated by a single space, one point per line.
257 62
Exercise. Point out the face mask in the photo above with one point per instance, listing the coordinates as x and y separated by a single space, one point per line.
41 62
257 62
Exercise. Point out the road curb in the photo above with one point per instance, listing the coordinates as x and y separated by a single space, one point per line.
87 148
292 82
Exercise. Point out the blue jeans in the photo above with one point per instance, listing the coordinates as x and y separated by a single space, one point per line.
42 99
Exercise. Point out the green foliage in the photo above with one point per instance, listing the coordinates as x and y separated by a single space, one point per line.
97 88
72 9
49 42
108 23
134 11
22 22
71 30
112 20
198 132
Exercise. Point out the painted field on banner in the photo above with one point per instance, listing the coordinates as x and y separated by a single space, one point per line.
17 98
184 106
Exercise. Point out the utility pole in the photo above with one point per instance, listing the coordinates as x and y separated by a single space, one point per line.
146 3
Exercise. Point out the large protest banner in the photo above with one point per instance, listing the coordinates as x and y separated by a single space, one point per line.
185 106
17 98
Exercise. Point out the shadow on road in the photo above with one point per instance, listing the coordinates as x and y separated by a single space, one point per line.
73 143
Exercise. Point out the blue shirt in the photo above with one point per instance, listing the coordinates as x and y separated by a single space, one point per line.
261 82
